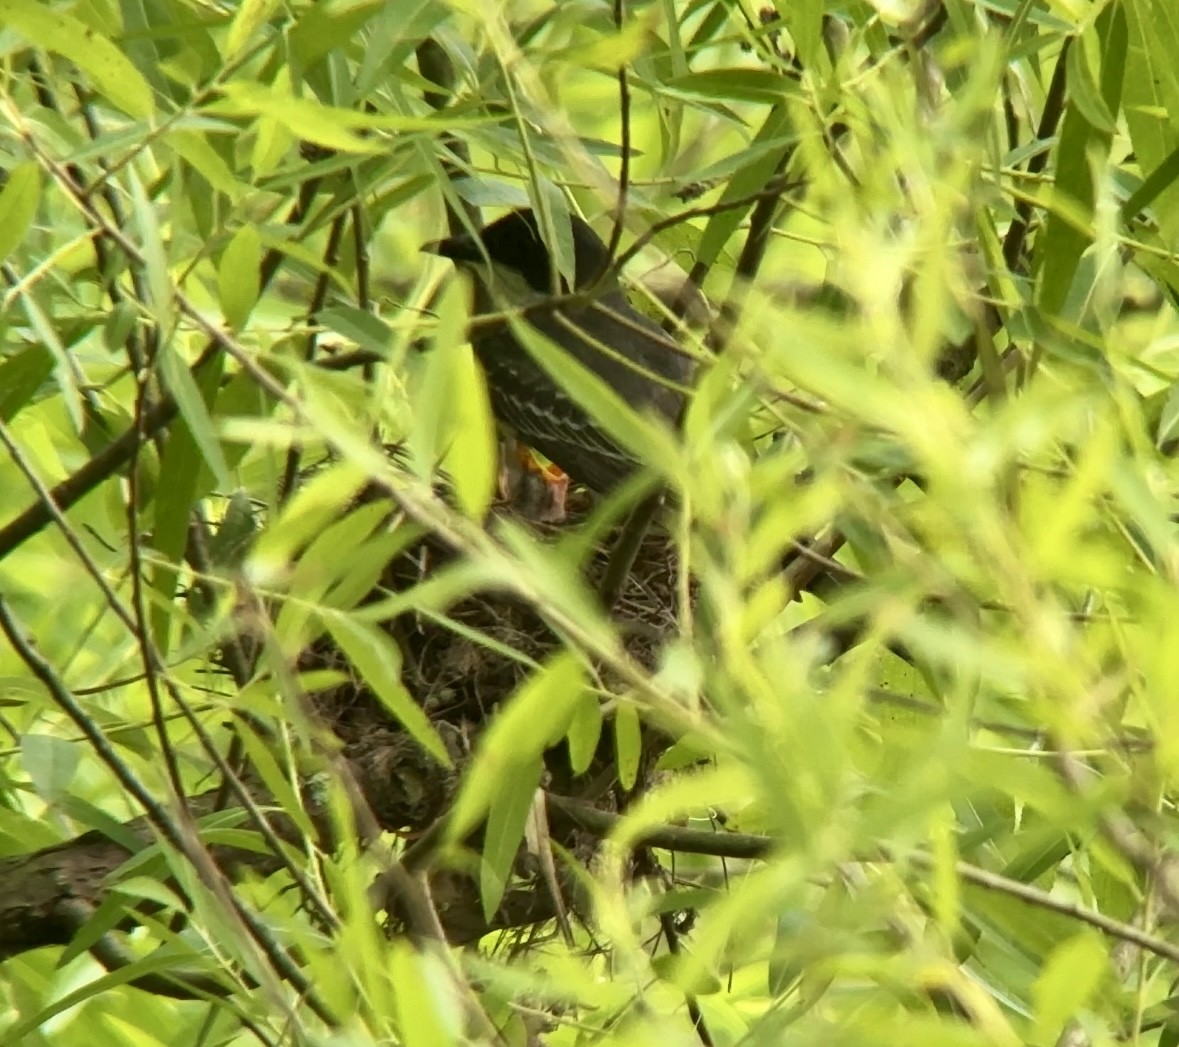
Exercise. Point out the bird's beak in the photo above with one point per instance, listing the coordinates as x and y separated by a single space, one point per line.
462 247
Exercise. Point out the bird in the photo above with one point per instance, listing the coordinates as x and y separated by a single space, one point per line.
512 268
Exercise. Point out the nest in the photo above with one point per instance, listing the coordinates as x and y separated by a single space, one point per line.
455 664
460 665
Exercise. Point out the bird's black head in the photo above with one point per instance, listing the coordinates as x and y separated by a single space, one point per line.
515 242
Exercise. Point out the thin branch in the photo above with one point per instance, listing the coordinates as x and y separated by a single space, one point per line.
360 253
141 627
774 190
1017 232
153 658
624 165
331 254
107 462
753 848
626 549
182 841
672 937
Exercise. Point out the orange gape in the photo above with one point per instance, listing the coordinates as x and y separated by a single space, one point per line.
549 472
543 487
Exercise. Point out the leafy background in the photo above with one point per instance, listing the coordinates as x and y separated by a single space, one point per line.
918 695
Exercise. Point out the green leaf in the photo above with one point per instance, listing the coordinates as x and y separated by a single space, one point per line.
50 762
321 30
249 17
585 730
453 426
1083 93
276 780
533 719
47 330
1151 97
1160 180
1073 972
196 151
1060 247
322 498
340 549
378 660
751 178
428 1015
120 322
155 257
608 51
628 743
239 276
470 458
189 399
304 118
181 464
1168 418
734 85
110 912
108 69
506 818
21 376
369 332
18 206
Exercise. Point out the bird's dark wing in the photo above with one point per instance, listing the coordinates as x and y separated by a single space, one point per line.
525 397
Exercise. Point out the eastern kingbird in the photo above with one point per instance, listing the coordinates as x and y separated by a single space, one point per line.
512 270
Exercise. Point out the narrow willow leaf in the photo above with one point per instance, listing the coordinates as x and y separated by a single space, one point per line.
585 730
453 424
1151 97
20 378
108 69
378 660
321 30
1061 246
239 276
470 460
506 817
194 148
339 549
181 464
18 206
1083 93
47 330
1161 179
369 332
628 744
430 1010
187 394
534 718
302 117
734 85
50 763
752 177
1071 976
155 257
251 15
276 779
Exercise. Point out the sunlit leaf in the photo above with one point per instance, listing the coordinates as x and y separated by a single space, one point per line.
378 660
18 205
101 60
506 817
238 276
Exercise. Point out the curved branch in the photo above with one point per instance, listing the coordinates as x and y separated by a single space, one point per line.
751 847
